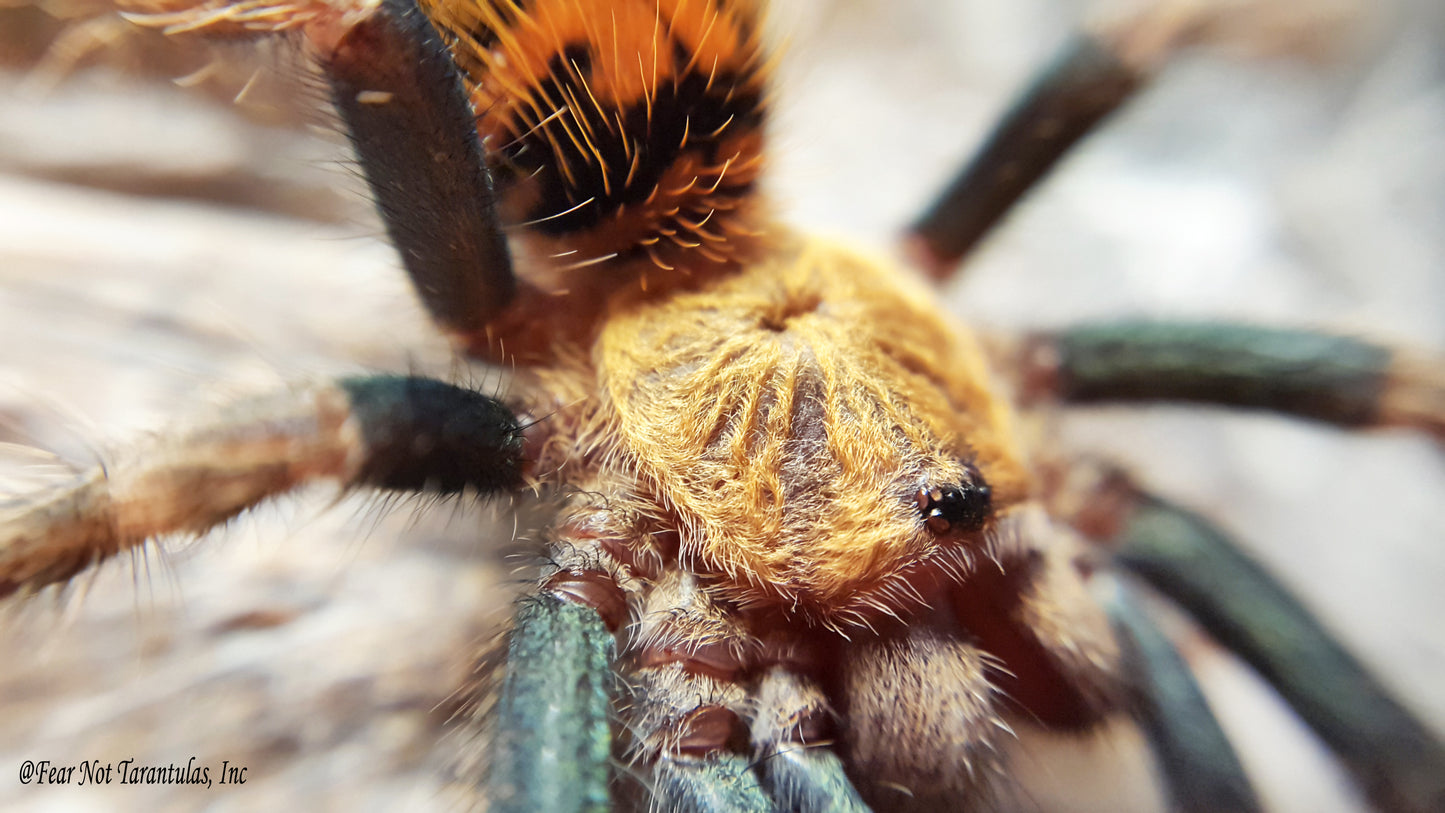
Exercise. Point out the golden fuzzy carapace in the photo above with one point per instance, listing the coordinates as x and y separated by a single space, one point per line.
788 415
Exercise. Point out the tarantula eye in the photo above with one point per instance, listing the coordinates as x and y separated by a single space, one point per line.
955 507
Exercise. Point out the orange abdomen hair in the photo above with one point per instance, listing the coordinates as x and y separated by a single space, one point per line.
618 130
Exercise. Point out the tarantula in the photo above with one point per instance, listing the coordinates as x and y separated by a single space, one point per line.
796 518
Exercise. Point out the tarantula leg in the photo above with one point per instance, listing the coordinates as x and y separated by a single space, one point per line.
415 134
553 746
1200 766
687 706
412 126
695 771
1085 83
385 431
721 783
798 772
1094 75
1399 763
1335 379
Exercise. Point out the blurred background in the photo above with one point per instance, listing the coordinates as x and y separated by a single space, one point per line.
165 247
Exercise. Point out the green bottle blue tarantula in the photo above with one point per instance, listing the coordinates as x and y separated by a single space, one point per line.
803 561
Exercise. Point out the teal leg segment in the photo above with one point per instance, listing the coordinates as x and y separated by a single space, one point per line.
1066 102
809 780
1398 761
720 783
1203 772
1335 379
791 715
553 747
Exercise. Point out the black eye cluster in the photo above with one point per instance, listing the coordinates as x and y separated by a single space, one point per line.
956 507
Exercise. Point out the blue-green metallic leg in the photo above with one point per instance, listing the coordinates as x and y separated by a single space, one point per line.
1399 763
1066 102
798 773
552 751
718 783
809 780
1335 379
1199 764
